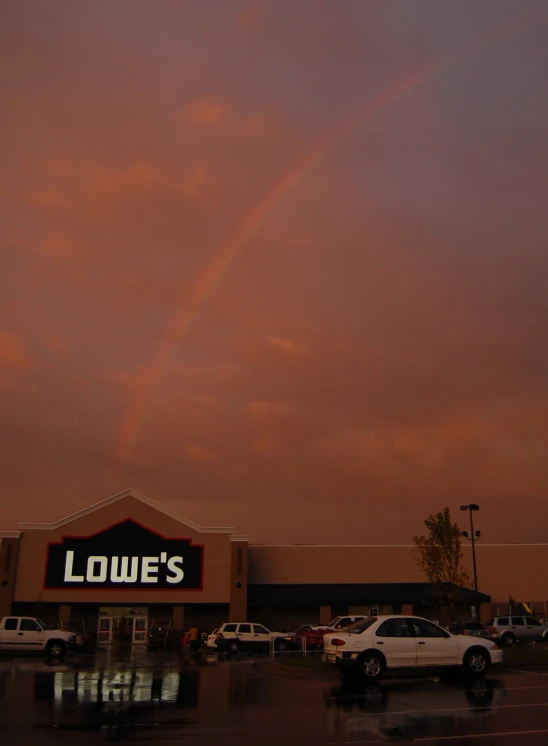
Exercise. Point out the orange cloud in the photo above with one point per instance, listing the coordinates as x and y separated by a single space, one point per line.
56 247
266 408
130 379
261 446
48 198
204 112
55 346
82 182
12 351
201 454
285 345
211 114
19 387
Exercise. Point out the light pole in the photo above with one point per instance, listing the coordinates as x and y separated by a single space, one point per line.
473 536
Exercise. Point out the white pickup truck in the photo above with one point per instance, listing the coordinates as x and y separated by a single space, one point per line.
27 634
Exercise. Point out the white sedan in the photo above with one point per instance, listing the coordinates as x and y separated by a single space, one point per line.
377 644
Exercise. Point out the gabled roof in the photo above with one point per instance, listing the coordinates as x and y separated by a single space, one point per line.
137 496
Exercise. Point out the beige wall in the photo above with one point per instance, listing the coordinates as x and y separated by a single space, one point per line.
33 547
332 564
513 569
9 549
238 595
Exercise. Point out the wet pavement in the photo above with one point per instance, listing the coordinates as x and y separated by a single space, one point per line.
157 698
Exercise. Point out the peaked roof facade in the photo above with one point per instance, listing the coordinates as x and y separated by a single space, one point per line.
141 498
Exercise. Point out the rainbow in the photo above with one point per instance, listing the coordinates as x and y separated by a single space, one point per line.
212 274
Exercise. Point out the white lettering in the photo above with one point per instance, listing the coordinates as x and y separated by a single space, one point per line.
69 577
91 577
123 576
163 557
149 569
173 566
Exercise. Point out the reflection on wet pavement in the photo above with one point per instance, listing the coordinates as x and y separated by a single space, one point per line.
411 710
213 700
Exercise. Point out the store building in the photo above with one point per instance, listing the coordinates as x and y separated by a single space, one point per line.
128 561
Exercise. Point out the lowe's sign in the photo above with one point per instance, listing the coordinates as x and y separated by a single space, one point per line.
126 555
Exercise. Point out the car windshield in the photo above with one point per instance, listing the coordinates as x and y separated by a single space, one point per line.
362 625
333 622
43 624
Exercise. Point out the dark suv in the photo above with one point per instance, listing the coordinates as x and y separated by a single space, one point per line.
467 628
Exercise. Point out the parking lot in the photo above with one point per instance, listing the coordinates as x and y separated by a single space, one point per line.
155 698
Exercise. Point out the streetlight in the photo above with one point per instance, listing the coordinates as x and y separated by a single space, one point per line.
473 536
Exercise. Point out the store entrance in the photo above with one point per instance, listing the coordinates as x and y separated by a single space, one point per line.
122 625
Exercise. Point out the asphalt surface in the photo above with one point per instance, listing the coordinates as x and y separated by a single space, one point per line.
155 699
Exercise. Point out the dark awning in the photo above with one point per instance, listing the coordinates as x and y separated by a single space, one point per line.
350 594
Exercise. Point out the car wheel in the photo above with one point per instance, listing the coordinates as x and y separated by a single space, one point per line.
476 662
371 666
508 639
233 647
55 649
280 646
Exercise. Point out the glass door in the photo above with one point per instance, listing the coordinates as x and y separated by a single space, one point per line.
140 626
104 631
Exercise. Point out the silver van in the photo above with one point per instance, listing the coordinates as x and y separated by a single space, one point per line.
506 630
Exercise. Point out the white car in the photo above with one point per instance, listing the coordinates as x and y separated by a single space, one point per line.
234 637
381 643
210 641
340 622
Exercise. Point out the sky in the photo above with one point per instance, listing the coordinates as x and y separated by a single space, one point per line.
277 265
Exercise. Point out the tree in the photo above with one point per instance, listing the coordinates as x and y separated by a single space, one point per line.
439 556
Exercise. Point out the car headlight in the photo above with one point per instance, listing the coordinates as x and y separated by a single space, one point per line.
72 638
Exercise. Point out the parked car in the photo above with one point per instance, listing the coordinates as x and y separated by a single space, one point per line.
377 644
508 629
340 622
309 638
475 629
83 639
233 637
210 641
29 634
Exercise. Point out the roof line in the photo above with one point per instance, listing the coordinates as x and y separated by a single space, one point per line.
384 546
120 496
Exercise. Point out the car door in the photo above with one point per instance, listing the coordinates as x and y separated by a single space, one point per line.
534 628
245 637
261 636
518 627
435 646
9 638
30 635
395 640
